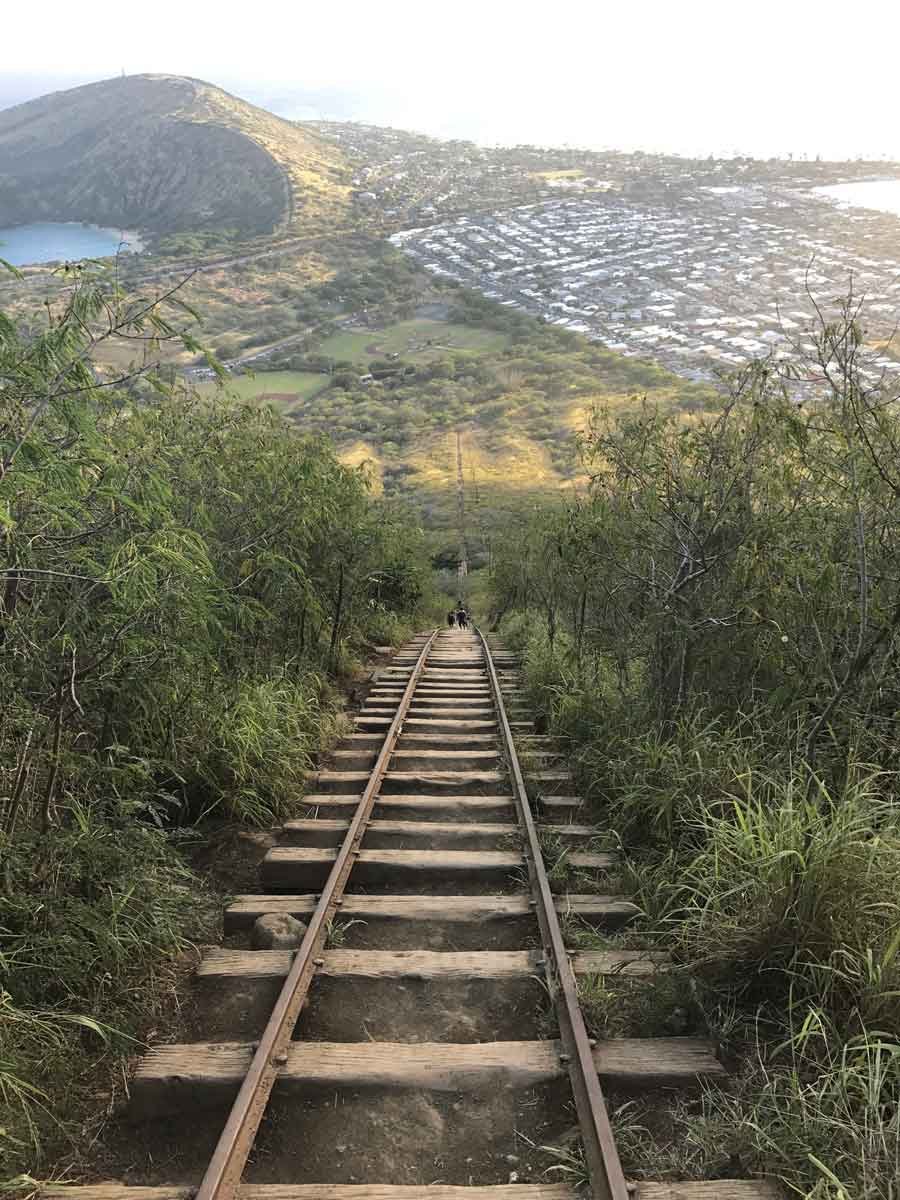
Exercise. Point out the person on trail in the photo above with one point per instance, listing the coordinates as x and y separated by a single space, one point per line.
462 618
451 618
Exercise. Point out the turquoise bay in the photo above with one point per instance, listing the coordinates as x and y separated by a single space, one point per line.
56 241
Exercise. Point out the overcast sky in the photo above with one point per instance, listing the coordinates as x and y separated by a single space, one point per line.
694 76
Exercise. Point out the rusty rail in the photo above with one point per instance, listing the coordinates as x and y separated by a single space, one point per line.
602 1157
223 1175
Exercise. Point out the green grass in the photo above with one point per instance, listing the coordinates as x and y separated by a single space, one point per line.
419 339
777 895
298 385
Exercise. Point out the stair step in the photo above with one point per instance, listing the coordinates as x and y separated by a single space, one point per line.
558 809
706 1189
569 831
419 760
289 866
399 781
417 806
442 760
384 834
429 708
548 779
244 910
483 781
424 964
425 725
174 1077
321 831
452 689
447 741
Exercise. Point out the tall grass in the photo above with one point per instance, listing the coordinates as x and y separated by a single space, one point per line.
91 915
818 1110
33 1037
249 749
796 890
777 889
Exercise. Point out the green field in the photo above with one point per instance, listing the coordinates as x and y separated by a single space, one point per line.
284 388
419 339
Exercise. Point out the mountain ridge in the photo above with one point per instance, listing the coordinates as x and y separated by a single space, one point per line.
163 153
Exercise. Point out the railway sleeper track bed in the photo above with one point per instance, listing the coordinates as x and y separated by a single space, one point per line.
425 1037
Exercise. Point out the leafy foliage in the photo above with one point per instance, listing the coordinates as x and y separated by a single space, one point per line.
181 580
714 623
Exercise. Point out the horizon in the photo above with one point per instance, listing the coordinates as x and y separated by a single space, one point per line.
678 87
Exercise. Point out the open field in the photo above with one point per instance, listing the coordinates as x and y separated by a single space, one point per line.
420 339
284 388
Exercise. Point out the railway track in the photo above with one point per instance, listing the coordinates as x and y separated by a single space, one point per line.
426 1036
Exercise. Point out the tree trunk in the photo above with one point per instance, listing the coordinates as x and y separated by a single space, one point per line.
338 610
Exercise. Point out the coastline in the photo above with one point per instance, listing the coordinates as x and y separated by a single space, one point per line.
879 194
98 241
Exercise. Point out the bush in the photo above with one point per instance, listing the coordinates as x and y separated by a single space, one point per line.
184 579
713 624
91 914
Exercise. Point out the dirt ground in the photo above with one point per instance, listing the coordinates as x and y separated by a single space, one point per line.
413 1137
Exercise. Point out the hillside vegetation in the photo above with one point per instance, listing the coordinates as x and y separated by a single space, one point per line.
183 580
162 152
714 624
517 389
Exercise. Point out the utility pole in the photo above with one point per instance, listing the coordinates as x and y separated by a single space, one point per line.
462 566
480 521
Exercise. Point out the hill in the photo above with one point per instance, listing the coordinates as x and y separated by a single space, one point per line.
163 153
393 394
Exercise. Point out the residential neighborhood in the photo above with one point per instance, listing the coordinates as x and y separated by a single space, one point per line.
704 276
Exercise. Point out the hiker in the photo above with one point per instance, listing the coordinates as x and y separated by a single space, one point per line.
462 618
451 618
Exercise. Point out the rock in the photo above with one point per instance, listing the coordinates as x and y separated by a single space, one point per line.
678 1021
277 931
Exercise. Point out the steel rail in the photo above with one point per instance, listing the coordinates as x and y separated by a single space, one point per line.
223 1175
602 1157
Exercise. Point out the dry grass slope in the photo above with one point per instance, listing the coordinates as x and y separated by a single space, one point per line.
315 170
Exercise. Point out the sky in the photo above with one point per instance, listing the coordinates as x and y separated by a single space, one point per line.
689 76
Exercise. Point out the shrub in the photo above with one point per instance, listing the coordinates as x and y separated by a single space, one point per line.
795 890
182 576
